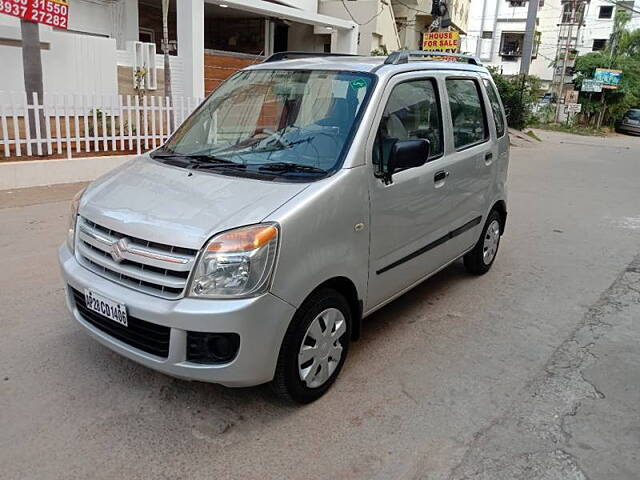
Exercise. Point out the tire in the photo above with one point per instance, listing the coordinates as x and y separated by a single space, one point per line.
479 260
324 307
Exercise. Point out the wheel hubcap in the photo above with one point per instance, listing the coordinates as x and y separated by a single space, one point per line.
321 351
491 239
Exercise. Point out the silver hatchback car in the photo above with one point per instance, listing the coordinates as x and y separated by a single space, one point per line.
304 194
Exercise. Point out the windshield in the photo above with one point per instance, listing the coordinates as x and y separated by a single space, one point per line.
274 122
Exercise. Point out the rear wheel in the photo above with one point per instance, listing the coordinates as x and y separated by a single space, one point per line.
314 347
479 260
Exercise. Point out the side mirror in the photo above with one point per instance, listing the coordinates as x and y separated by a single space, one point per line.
407 154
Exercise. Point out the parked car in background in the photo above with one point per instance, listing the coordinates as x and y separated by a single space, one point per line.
300 197
630 122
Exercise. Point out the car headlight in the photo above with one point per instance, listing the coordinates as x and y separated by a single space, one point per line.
73 219
237 263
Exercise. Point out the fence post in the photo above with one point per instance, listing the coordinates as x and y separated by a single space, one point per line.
160 120
105 133
113 123
66 125
152 109
16 127
129 125
56 115
47 124
85 122
5 133
96 145
76 120
137 113
146 122
36 115
121 117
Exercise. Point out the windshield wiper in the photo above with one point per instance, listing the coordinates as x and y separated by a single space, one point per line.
198 161
290 167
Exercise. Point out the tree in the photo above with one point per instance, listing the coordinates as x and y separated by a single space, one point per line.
518 94
32 67
622 53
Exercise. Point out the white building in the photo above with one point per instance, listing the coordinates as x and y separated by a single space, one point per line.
598 23
496 35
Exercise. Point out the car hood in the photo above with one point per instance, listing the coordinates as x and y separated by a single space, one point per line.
180 207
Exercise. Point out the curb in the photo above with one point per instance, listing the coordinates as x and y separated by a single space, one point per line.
37 173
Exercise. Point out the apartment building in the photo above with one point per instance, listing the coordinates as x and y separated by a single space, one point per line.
597 23
496 35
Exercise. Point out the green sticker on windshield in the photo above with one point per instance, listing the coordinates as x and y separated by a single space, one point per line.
358 83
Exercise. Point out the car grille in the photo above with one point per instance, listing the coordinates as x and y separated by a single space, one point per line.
150 267
145 336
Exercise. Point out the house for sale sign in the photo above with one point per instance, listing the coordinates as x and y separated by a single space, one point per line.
441 41
54 13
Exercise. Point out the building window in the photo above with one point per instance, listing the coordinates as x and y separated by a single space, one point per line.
487 35
147 35
511 44
517 3
599 44
606 12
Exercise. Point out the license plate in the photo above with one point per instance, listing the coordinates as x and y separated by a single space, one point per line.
633 122
107 308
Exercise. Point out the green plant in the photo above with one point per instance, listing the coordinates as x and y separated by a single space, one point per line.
519 94
381 51
139 76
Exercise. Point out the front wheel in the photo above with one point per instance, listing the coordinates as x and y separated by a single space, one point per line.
314 347
479 260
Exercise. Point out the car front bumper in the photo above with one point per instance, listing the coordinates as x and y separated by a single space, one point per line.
261 323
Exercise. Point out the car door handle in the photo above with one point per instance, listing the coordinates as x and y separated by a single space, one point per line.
488 158
440 176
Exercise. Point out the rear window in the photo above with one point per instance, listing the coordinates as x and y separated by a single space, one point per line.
633 114
496 108
467 112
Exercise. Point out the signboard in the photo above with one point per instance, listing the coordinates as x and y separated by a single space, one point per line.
54 13
440 41
591 85
574 107
571 96
609 78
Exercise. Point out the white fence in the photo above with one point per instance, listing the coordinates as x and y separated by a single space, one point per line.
85 124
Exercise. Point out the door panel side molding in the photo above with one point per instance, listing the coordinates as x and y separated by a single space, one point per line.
432 245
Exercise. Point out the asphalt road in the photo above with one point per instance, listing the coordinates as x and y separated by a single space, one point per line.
531 371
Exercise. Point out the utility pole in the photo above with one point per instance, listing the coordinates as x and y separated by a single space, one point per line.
566 57
166 49
32 68
529 35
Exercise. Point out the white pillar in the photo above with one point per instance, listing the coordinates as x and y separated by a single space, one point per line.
345 40
131 26
190 18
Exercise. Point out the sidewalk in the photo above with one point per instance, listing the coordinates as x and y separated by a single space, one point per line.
35 173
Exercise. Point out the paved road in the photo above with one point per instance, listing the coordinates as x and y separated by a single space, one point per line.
532 371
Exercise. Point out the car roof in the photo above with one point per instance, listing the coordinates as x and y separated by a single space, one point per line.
371 64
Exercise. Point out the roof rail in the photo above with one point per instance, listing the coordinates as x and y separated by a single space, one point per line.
402 56
289 55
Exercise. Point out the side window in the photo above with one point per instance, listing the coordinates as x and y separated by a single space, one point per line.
412 111
496 108
467 112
